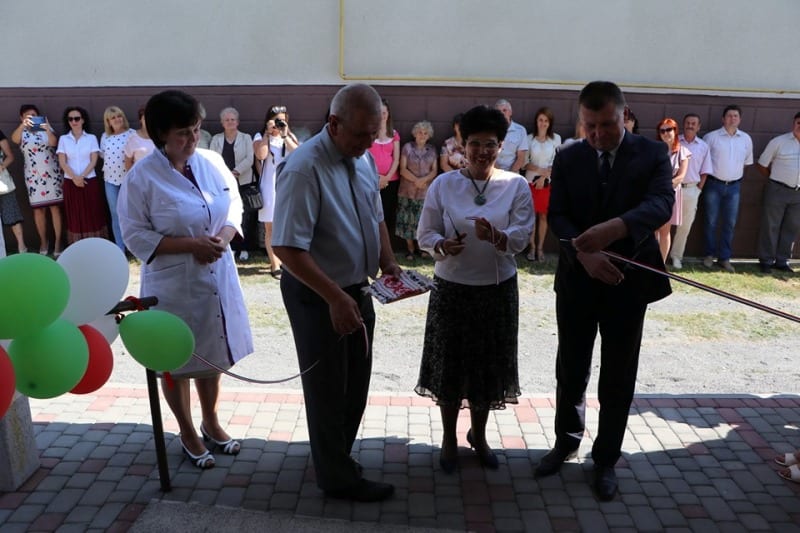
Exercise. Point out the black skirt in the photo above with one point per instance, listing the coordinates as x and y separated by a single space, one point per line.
470 354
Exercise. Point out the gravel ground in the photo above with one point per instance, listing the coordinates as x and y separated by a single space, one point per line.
750 352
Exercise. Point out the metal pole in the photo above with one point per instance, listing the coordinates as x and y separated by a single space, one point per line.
158 431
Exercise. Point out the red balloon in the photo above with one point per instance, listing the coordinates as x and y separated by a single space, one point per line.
101 361
7 382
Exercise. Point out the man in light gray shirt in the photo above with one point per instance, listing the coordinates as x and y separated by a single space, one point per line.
512 154
780 218
328 231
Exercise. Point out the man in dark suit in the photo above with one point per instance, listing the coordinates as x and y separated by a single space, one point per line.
609 192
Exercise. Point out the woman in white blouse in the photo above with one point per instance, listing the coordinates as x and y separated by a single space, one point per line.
83 200
271 147
541 152
112 150
474 221
178 211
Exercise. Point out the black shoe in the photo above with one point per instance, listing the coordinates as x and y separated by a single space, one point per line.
552 461
765 268
784 268
363 491
486 458
448 465
605 482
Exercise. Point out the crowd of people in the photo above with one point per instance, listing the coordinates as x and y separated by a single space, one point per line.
61 178
490 193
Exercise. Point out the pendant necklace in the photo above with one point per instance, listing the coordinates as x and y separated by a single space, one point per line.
480 198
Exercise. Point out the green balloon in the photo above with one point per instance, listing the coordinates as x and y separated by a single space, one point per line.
51 361
34 291
158 340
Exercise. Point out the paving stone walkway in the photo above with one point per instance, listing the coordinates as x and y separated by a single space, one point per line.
689 464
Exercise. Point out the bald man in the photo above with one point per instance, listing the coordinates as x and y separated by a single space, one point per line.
329 232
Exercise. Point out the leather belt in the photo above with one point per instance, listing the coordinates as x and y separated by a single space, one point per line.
684 185
731 182
782 184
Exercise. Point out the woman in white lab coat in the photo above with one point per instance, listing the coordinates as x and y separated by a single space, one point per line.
179 209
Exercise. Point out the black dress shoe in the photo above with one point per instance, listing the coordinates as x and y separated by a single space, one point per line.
784 267
487 457
551 463
765 268
363 491
448 465
605 482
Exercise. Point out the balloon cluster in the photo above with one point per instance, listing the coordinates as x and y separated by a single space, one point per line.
53 314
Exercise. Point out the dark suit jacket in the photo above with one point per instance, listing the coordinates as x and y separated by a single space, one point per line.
639 190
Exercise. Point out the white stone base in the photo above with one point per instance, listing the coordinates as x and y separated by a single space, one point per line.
19 458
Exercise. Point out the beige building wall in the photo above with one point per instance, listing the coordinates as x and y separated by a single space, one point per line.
708 47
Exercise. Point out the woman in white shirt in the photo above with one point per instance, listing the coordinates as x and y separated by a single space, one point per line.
271 147
541 152
178 211
474 220
112 150
83 200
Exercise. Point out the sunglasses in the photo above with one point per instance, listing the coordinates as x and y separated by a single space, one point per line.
278 109
665 130
75 119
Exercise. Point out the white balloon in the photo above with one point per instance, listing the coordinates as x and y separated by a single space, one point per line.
98 275
4 343
107 325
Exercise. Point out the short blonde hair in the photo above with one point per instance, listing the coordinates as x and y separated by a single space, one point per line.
423 125
111 112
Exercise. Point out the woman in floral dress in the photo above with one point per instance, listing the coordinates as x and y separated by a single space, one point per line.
43 177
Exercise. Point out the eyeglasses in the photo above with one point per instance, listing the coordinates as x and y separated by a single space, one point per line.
75 119
665 130
278 109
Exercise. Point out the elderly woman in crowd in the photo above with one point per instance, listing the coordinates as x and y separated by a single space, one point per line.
77 156
385 151
679 155
139 143
452 155
418 168
236 148
541 152
112 150
474 221
43 177
179 210
271 147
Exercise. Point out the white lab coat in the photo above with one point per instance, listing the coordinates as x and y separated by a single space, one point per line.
156 201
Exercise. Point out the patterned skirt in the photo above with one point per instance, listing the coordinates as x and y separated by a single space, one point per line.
469 357
9 209
408 212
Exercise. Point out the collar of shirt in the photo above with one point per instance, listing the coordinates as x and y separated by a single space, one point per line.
612 154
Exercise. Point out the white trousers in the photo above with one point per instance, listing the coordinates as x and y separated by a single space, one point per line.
691 195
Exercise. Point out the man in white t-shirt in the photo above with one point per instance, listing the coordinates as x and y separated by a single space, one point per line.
512 154
731 151
780 218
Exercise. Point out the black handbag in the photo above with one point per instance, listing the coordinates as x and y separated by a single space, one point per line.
251 195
